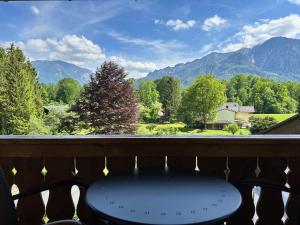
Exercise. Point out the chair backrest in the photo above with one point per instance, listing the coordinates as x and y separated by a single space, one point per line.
8 214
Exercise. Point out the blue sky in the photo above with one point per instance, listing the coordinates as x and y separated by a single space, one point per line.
143 35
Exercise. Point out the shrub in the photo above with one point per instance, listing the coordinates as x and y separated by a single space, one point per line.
151 126
167 130
232 128
259 125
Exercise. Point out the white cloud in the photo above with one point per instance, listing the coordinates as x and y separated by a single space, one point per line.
161 52
159 45
206 48
156 21
177 24
180 25
136 69
297 2
81 52
142 66
213 23
71 48
263 30
35 10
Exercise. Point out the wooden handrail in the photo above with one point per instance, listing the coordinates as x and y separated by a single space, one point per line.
123 145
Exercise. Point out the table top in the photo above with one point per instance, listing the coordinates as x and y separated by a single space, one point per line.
157 197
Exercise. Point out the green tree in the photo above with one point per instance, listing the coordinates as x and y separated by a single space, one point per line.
20 93
149 99
294 91
68 90
201 99
266 95
232 128
3 92
44 94
170 96
52 92
284 102
271 97
108 102
147 93
239 88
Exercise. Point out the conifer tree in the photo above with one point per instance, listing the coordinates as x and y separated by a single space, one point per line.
20 98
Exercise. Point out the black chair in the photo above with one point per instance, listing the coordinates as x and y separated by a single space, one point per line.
264 183
8 214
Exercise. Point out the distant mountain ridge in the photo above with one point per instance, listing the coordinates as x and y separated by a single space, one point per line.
277 58
53 71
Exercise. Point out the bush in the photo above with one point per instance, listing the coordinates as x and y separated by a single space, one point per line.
150 114
36 126
62 122
232 128
151 127
259 125
167 130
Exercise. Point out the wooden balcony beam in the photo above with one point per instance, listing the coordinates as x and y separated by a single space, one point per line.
205 146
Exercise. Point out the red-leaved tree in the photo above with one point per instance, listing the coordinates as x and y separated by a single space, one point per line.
108 102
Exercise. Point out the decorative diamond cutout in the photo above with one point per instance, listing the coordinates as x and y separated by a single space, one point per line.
75 217
75 171
284 218
227 169
45 219
287 170
227 172
257 171
44 171
105 171
14 171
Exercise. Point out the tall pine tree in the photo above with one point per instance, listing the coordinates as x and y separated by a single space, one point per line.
20 98
108 102
170 96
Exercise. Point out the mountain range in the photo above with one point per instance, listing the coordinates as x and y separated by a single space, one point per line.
277 58
53 71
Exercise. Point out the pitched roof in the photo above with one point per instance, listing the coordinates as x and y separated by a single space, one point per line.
232 106
282 123
249 109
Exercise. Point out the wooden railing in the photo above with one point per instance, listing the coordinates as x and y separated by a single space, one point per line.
30 161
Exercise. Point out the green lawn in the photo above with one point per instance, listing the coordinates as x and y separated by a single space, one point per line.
278 117
180 129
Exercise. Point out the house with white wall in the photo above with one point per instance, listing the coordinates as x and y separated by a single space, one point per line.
232 112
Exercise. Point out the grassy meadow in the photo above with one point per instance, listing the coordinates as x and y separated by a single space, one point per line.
278 117
180 129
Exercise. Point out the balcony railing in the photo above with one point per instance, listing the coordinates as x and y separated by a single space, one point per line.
30 161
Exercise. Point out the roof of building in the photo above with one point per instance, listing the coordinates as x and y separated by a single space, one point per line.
282 123
235 107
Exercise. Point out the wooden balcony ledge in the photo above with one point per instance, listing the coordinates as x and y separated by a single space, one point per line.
30 161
